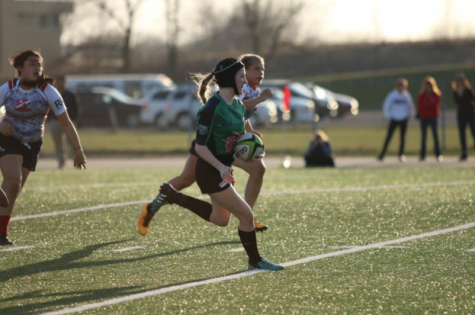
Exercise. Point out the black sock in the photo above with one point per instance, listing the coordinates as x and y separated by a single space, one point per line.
197 206
249 242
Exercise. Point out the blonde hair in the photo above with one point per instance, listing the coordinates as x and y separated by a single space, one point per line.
401 81
432 82
249 59
466 83
321 136
202 82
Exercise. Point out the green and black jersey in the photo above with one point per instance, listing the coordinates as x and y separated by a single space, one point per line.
219 126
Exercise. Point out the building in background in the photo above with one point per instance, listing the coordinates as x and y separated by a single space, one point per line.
31 24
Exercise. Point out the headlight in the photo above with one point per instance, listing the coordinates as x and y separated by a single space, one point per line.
354 104
320 94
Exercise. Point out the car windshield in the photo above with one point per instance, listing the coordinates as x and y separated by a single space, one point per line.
301 90
119 96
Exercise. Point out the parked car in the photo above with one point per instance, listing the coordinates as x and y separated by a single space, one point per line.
172 108
266 114
154 112
346 104
99 106
302 110
178 107
134 85
321 106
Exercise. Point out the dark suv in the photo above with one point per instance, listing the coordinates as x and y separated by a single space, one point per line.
101 107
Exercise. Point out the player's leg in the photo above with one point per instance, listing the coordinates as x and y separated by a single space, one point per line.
256 170
11 167
224 203
186 178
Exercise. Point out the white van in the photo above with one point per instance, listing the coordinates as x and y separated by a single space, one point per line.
134 85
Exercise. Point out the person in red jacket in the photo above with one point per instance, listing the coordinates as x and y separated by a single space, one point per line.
428 111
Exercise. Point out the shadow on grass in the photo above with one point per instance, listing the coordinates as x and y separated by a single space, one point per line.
81 297
69 261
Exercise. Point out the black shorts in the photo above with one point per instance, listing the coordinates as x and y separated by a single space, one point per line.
29 151
208 178
192 149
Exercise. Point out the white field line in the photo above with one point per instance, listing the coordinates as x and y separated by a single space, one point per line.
266 193
471 250
128 249
15 248
95 185
61 212
249 273
236 250
344 247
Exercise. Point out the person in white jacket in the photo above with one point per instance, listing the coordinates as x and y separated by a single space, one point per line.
398 108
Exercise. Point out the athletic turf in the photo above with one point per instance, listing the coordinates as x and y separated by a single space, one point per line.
310 212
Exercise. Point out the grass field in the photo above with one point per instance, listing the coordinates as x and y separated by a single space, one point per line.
346 141
354 241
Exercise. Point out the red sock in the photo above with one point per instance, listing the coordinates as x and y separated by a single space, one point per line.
4 221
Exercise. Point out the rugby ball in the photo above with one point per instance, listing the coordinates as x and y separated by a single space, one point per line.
248 147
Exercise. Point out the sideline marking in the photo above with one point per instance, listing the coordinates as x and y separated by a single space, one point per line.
471 250
14 248
266 193
253 272
128 249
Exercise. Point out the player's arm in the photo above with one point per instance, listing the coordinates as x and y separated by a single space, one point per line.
6 128
225 171
56 104
72 135
266 94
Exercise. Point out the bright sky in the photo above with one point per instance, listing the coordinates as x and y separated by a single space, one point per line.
325 20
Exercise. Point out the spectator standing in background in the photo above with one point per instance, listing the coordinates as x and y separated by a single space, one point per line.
428 111
398 107
465 101
54 125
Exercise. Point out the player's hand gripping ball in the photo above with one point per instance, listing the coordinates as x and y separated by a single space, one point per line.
249 146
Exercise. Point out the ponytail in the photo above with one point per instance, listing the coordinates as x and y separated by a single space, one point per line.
202 82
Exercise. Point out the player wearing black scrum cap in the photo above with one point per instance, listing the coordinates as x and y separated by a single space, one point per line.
220 123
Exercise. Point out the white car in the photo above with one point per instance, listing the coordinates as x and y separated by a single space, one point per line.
154 111
171 108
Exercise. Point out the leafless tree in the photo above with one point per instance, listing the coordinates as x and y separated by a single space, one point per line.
126 25
173 30
266 21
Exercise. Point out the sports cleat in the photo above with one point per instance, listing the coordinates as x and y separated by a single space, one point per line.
264 265
260 227
145 218
4 241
